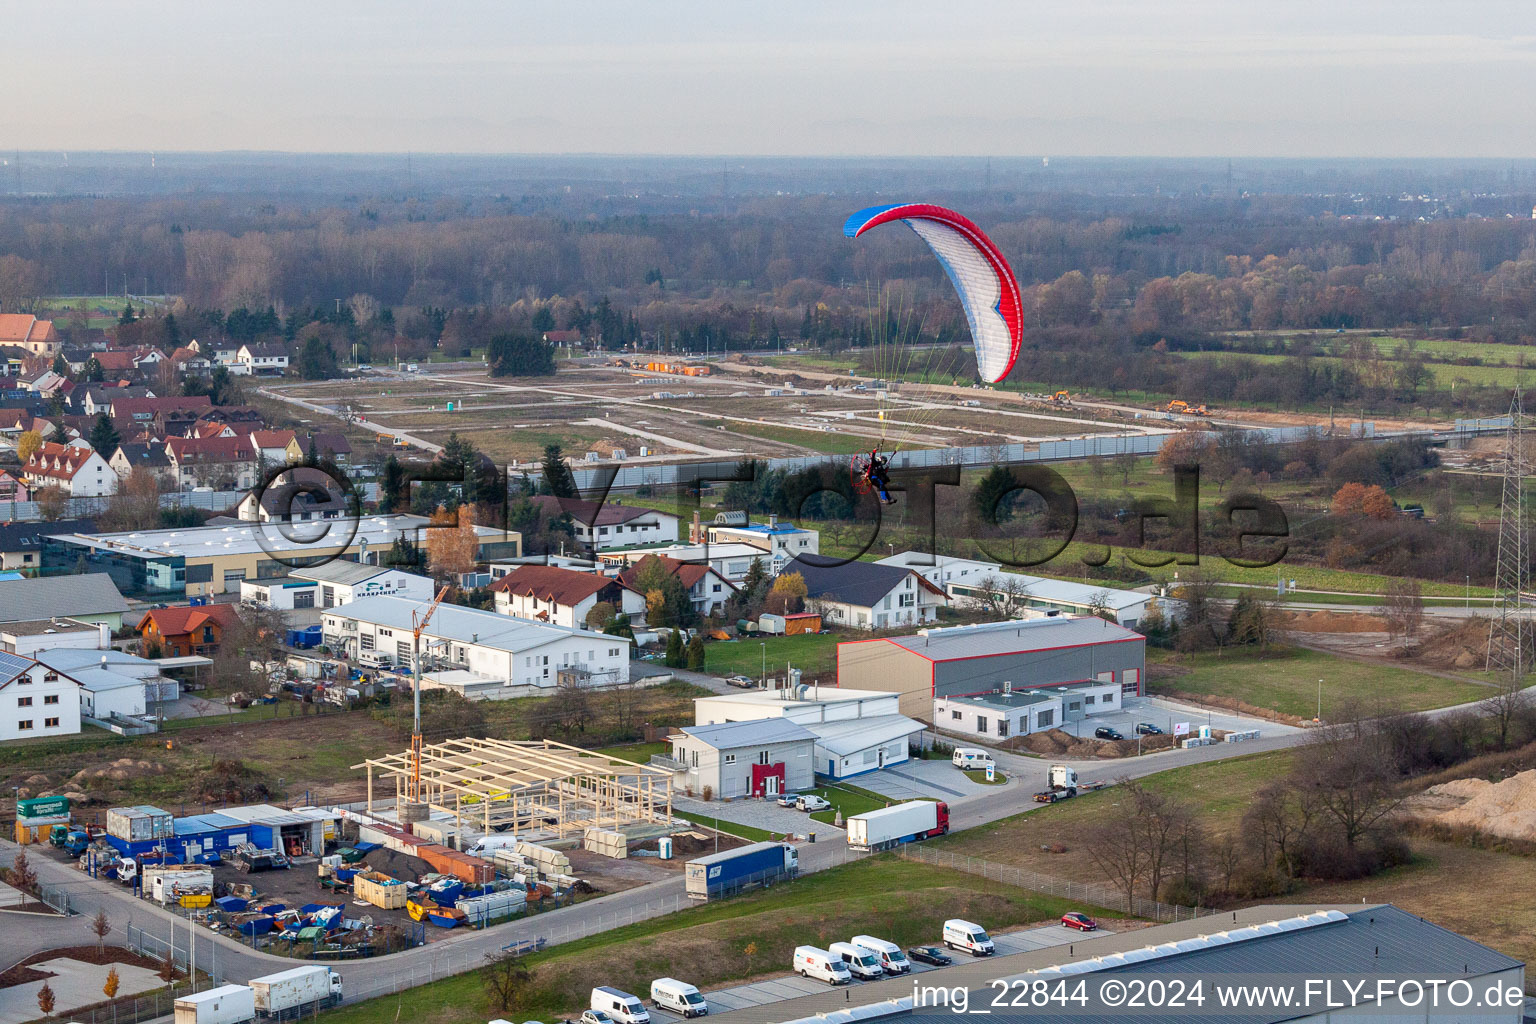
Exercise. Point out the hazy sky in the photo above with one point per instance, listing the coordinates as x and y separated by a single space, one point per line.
942 77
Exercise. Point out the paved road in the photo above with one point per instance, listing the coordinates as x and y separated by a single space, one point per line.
465 949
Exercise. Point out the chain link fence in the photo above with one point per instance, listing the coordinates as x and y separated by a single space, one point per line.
1094 893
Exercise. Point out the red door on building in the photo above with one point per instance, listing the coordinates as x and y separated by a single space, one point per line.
768 779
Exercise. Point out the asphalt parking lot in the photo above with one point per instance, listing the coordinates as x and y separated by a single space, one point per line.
793 986
1166 714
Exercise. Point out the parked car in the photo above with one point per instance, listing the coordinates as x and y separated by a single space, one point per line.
933 956
745 682
811 802
1147 729
595 1017
1104 732
788 799
1082 922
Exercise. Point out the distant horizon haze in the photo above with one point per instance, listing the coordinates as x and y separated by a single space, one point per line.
1104 78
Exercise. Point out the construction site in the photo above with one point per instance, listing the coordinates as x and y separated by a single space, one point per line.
531 789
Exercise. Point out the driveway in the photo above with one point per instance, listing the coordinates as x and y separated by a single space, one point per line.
934 780
764 814
1165 713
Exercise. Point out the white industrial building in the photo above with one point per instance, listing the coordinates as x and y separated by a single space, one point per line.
35 700
112 683
334 583
762 757
28 637
1011 712
474 652
969 581
855 731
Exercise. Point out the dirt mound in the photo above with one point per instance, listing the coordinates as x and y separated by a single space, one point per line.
121 770
1504 809
1332 622
1059 743
397 865
1461 645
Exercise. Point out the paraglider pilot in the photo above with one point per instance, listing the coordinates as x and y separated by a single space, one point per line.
878 474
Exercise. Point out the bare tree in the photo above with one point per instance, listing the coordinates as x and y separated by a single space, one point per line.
101 926
505 978
1116 847
1405 607
1279 823
1505 707
1350 772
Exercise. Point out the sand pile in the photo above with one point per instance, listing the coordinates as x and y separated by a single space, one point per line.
1464 646
1332 622
1505 809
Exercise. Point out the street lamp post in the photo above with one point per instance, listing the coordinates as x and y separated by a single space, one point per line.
1319 700
764 645
1467 598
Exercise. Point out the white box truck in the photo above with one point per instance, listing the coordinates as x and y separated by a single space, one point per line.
227 1004
294 993
903 823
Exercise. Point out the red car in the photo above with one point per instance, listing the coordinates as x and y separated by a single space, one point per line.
1082 922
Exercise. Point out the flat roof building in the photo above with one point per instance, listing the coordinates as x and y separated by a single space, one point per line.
991 657
171 564
475 652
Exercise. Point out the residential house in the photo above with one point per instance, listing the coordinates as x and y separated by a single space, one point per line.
868 595
182 631
44 383
781 542
112 683
142 411
600 526
255 358
85 597
16 421
546 593
276 447
302 494
78 471
116 362
209 428
329 446
149 456
219 353
21 540
98 398
190 360
37 338
707 589
36 700
223 463
12 489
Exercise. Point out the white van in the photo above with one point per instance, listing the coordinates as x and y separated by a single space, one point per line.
892 959
487 845
970 937
970 758
679 997
861 963
621 1006
812 962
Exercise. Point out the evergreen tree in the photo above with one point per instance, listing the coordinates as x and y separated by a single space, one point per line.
93 371
543 320
60 366
990 498
317 361
676 657
172 331
807 325
104 437
311 455
127 316
558 479
619 625
695 658
392 489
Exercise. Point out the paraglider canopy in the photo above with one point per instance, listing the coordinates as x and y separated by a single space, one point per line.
987 288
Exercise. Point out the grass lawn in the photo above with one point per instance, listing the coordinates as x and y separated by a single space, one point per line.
850 800
638 752
752 832
1285 679
980 778
831 442
902 901
1220 790
813 652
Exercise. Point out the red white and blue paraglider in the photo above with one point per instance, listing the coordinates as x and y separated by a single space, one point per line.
987 288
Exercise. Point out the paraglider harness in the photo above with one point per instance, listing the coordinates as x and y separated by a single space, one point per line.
877 472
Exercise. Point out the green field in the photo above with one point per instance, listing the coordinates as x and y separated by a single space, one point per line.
831 442
849 800
1444 373
1285 679
750 832
708 945
812 652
